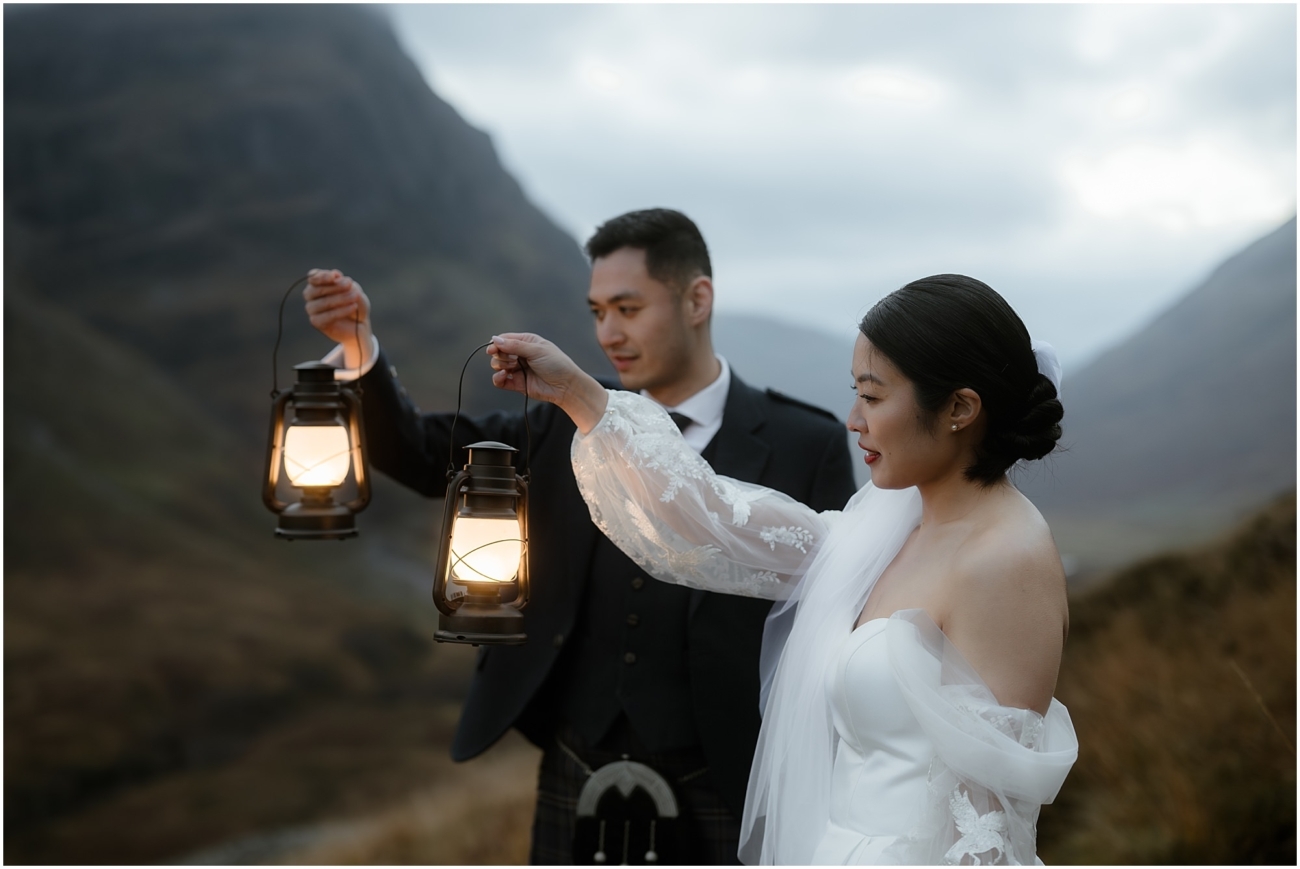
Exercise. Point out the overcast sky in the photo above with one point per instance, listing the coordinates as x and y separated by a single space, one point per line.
1091 163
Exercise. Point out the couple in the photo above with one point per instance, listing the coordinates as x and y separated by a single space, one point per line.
881 741
908 673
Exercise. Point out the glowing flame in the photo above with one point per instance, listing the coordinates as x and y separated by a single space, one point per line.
485 550
317 455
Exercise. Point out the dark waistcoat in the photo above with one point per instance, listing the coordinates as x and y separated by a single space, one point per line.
631 654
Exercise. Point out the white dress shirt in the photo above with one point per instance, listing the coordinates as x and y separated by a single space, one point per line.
704 407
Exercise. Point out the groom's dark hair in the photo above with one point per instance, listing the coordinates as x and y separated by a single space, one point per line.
675 252
950 332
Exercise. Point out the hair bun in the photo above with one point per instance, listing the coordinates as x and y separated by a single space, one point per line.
1035 434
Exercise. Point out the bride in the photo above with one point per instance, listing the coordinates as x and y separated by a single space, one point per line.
909 666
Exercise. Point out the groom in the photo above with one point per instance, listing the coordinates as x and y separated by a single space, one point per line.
617 665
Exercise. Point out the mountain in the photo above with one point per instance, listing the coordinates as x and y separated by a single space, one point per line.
174 676
170 169
1185 426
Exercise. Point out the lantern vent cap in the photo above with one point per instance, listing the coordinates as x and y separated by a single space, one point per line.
491 454
491 445
315 372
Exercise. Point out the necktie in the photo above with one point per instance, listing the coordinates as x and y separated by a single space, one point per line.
681 419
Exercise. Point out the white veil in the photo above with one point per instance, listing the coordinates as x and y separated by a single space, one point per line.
788 799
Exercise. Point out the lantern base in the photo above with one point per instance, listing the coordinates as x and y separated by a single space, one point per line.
482 625
302 522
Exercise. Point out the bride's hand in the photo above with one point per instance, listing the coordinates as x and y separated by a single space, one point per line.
551 376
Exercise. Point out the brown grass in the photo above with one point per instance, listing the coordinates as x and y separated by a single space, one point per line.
148 715
1179 762
480 813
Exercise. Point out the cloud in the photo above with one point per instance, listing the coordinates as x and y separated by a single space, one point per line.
1197 183
1090 162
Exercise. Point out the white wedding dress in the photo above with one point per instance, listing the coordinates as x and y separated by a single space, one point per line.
879 744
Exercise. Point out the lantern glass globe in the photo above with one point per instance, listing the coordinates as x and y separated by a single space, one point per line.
317 455
485 549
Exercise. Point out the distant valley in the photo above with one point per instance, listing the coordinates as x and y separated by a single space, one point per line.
1172 435
1185 427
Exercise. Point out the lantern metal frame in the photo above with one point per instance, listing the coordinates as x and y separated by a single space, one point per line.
489 613
316 398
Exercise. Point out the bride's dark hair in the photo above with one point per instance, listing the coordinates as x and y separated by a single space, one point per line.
948 332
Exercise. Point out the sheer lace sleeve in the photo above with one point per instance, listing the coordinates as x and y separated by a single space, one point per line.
662 504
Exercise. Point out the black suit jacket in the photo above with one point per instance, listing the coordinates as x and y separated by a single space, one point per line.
765 438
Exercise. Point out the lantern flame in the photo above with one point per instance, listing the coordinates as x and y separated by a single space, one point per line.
485 550
317 455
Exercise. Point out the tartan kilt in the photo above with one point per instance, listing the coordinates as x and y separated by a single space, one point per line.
716 832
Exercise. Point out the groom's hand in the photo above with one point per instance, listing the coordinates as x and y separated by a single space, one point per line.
340 310
550 375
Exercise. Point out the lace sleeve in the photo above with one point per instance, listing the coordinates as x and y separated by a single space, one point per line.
662 504
994 766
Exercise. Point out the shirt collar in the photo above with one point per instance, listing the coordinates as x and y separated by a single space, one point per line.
705 407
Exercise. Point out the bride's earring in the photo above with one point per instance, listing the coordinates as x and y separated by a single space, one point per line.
954 426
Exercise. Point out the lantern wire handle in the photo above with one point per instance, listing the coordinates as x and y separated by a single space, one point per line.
279 330
460 390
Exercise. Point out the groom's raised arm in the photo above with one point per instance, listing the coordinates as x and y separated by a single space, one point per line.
414 447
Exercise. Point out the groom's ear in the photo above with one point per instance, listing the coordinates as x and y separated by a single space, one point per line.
698 298
964 408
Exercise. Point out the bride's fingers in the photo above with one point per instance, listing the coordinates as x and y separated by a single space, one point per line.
498 354
506 380
522 344
505 363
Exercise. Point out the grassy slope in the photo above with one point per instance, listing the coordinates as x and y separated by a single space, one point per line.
1178 761
173 676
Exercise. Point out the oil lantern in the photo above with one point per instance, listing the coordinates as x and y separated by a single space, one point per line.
316 476
480 584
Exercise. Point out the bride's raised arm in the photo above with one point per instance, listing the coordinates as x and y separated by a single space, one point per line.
663 505
653 496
